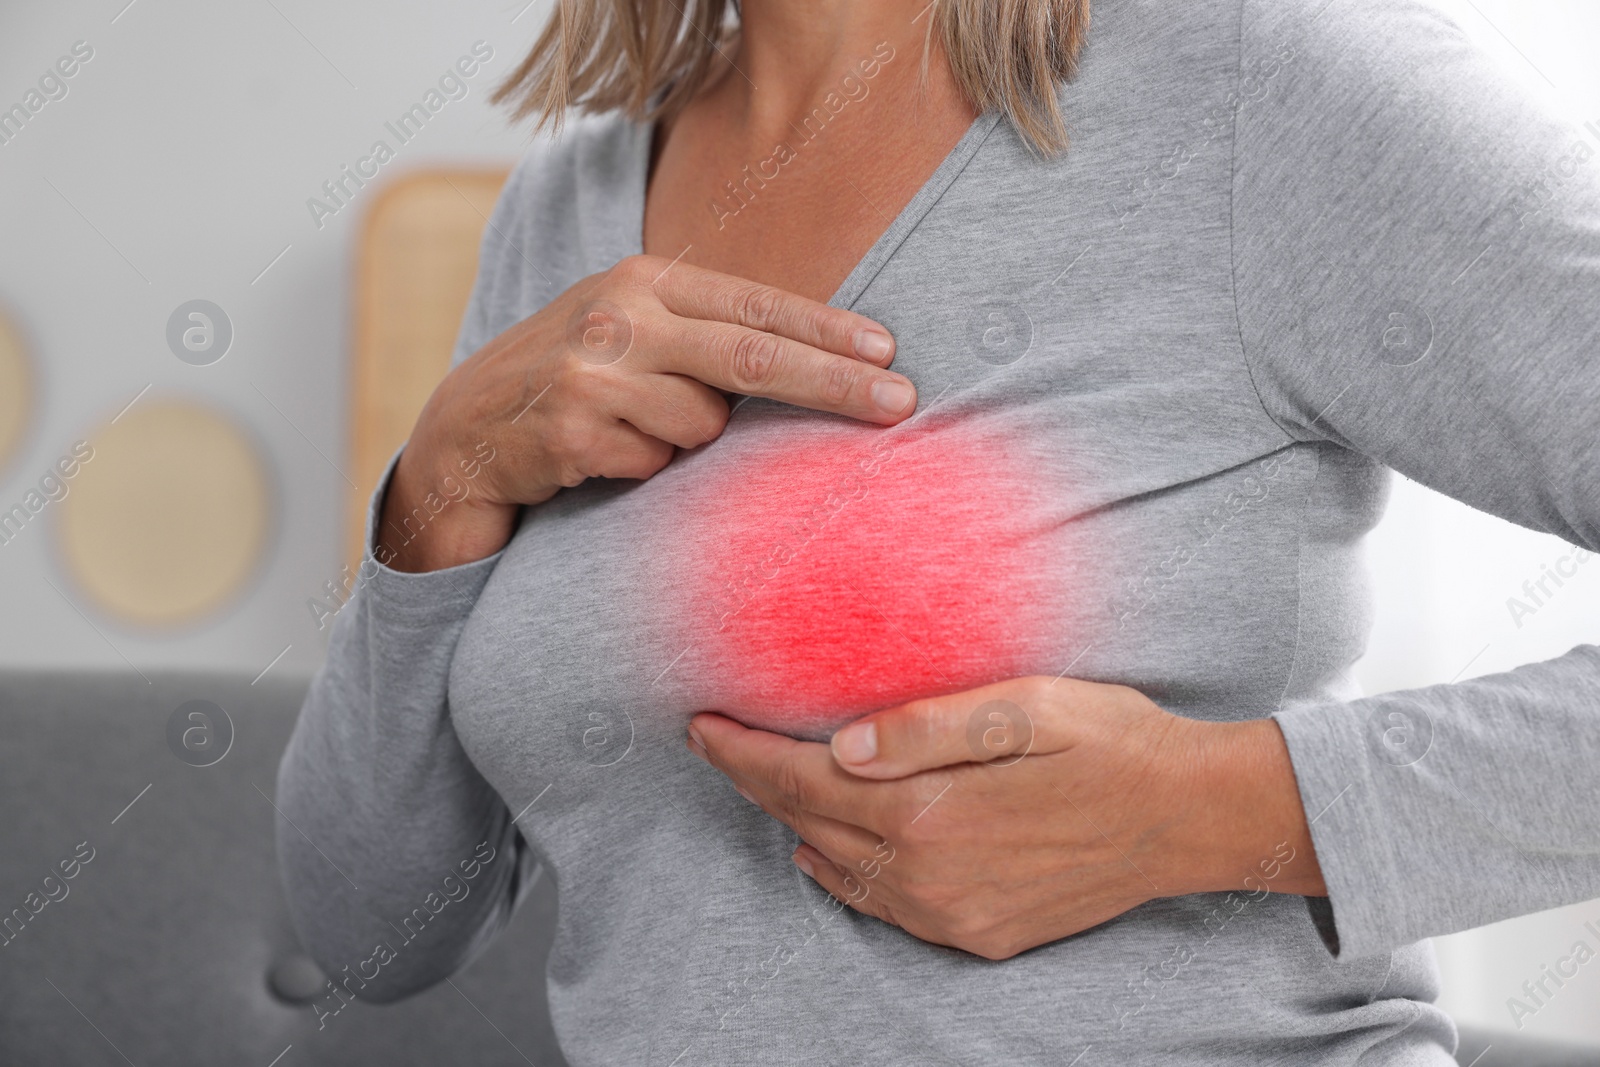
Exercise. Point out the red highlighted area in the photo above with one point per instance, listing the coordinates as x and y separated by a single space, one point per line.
859 568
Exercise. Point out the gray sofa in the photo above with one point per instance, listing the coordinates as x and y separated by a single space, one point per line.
172 945
146 923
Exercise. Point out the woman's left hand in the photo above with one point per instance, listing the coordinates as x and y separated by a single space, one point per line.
1017 814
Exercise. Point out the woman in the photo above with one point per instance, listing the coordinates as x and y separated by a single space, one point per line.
1160 310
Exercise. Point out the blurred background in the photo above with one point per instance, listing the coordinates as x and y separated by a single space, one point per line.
173 296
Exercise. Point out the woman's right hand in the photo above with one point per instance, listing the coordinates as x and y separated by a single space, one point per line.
608 381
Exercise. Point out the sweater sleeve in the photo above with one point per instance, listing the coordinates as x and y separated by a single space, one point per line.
383 816
1417 273
400 861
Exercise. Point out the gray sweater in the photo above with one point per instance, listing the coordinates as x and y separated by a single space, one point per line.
1294 244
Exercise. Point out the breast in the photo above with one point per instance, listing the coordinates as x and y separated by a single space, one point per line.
821 574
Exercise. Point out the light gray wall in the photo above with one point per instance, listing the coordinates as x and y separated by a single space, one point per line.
178 166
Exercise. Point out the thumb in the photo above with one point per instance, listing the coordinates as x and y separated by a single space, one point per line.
979 726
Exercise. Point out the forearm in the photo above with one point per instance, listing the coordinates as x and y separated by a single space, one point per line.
381 804
434 518
372 838
1249 829
1485 812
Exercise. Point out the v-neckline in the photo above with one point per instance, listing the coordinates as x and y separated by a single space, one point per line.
855 283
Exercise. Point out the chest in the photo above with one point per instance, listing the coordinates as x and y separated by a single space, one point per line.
795 208
1086 487
1076 431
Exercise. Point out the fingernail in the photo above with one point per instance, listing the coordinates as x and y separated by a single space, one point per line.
892 397
873 346
746 795
856 744
696 740
804 864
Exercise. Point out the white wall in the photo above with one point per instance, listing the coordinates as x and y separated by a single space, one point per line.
189 145
191 142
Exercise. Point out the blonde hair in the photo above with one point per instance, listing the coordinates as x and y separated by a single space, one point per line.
648 58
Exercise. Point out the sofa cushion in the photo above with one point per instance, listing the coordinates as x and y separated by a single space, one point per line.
141 914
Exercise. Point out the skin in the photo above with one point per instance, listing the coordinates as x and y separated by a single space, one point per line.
1110 801
808 227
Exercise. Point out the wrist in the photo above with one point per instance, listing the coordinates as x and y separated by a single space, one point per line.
432 521
1247 830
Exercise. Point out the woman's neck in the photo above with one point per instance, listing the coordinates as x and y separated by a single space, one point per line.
792 53
786 169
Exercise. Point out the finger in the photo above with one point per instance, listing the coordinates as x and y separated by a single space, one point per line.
791 779
867 898
853 848
624 451
1000 723
696 293
860 852
672 408
747 361
739 360
842 884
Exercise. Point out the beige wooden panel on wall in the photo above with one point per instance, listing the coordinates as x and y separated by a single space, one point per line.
169 513
416 261
16 389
